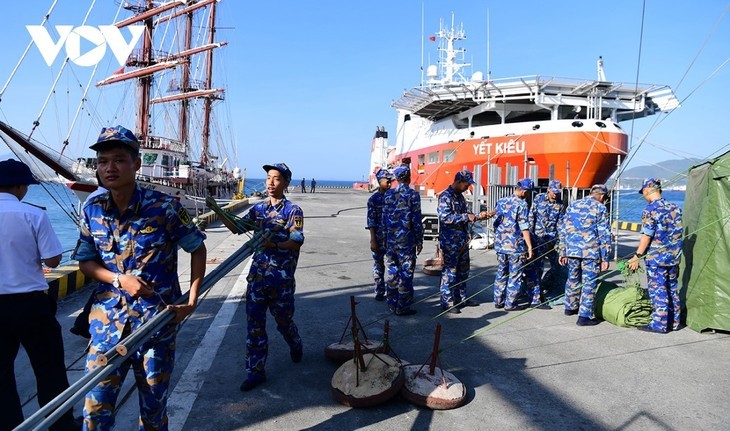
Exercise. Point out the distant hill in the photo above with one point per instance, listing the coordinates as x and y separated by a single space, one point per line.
667 169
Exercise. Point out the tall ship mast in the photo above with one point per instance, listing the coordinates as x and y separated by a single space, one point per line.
539 127
175 97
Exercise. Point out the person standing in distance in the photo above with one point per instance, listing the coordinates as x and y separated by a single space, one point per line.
377 231
585 244
513 245
271 283
128 242
304 185
403 241
661 245
313 185
27 313
454 237
545 216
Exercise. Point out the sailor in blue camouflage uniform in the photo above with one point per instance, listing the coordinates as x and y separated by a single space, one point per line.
545 215
403 241
128 242
585 244
661 245
454 235
377 231
271 284
513 245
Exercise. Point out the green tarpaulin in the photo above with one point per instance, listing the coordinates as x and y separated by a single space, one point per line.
704 277
622 306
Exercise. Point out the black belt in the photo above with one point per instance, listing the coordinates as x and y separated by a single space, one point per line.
19 297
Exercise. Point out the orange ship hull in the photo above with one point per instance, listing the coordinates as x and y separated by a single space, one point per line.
576 158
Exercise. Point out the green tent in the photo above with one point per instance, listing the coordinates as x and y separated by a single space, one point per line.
704 271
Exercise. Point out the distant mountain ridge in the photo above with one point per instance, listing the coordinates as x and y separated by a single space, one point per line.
670 172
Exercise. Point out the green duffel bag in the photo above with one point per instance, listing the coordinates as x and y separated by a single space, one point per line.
622 306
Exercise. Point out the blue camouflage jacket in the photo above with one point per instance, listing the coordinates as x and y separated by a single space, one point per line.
284 221
585 230
142 240
662 221
545 216
510 220
402 218
454 220
375 216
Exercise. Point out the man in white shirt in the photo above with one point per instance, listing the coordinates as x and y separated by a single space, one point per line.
27 313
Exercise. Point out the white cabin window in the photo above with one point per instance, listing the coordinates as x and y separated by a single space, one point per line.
421 159
433 157
449 155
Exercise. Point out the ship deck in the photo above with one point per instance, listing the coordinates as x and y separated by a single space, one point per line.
528 370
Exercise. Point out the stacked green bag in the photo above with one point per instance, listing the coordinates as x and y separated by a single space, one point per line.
622 306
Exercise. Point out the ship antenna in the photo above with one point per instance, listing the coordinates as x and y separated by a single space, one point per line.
601 75
423 8
489 69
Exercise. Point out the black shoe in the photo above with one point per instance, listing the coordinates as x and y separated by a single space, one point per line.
251 383
584 321
380 297
498 306
570 312
81 332
515 308
296 354
407 312
468 303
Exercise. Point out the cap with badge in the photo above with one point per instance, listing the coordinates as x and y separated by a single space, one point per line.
383 174
116 135
601 189
555 187
15 173
465 175
281 167
650 182
402 171
526 184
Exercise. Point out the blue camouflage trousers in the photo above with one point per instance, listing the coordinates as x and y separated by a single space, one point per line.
276 295
664 294
379 271
399 267
508 282
152 365
454 274
532 272
581 285
545 251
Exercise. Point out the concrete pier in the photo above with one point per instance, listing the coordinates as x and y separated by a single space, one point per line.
533 369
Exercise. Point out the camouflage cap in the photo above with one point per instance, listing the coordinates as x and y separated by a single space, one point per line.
116 135
650 182
601 189
15 173
555 186
402 171
465 175
281 167
526 184
383 173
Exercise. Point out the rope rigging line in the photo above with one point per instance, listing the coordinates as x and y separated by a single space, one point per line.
27 48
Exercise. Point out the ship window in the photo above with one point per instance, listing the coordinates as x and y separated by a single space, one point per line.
149 158
601 124
449 155
577 124
527 116
165 160
433 157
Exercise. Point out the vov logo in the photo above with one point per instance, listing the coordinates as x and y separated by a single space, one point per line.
71 38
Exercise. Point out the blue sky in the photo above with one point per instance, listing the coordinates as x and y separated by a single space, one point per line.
308 82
